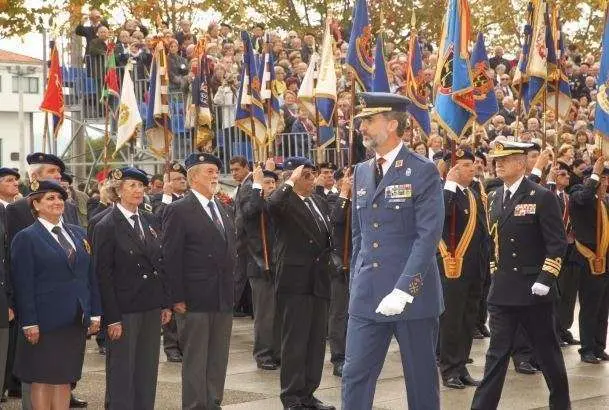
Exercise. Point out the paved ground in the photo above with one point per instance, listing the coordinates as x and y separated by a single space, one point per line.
253 389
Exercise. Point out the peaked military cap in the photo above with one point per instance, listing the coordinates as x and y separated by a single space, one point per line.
197 158
130 173
506 148
9 171
327 165
292 163
375 103
438 155
42 158
480 154
47 185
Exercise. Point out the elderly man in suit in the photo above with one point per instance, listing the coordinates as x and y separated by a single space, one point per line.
395 285
199 255
302 252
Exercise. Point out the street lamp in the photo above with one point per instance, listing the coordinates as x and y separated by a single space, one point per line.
21 72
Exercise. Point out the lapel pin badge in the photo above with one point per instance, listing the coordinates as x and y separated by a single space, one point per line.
408 172
361 192
399 163
532 192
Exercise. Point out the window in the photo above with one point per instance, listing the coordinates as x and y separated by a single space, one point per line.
30 85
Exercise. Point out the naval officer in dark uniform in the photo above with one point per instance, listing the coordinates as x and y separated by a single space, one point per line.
395 287
529 246
594 279
461 262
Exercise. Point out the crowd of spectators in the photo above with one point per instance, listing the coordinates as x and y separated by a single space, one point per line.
292 52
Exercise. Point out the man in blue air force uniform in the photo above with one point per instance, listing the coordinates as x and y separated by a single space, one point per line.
395 285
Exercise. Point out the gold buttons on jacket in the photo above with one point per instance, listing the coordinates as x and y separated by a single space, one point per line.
512 240
514 255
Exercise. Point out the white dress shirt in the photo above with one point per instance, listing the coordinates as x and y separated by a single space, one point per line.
512 188
452 186
205 204
128 214
389 157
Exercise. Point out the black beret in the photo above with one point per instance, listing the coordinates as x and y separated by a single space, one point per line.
67 177
327 165
480 154
292 163
460 154
47 185
42 158
177 167
9 171
197 158
270 174
121 174
438 155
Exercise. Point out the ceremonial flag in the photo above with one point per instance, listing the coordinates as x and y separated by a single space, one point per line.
250 111
556 74
601 116
129 118
325 91
380 82
157 118
533 66
454 98
485 100
270 98
359 53
111 77
306 93
52 101
415 86
200 99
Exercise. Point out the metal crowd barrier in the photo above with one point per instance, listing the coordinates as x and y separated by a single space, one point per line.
83 89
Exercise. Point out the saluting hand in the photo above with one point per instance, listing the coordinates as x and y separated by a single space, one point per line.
453 173
269 164
599 166
346 185
32 335
167 189
115 331
179 308
165 316
296 174
258 175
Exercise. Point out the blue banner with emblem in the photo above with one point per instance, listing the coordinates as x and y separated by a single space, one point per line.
359 53
380 82
601 117
485 100
454 91
416 88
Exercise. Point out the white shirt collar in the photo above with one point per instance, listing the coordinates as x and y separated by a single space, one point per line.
3 202
128 214
514 187
48 225
391 155
204 201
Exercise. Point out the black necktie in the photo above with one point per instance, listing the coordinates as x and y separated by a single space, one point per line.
216 218
137 228
65 244
316 216
378 176
508 196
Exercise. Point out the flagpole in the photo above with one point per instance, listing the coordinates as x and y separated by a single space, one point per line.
45 132
165 103
269 108
351 156
106 129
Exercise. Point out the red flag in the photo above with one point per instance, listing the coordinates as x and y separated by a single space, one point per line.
53 95
111 78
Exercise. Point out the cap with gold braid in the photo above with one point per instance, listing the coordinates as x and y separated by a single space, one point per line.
505 148
376 103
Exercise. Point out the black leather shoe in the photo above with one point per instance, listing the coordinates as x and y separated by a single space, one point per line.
484 330
562 344
602 356
269 365
319 405
525 368
469 360
101 350
454 383
338 369
174 358
573 341
469 381
477 334
589 358
77 403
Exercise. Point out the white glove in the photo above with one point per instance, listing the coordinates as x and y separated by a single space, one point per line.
539 289
394 303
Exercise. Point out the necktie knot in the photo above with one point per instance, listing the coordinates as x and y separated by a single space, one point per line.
56 230
380 161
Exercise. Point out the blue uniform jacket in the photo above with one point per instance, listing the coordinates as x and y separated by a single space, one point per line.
49 291
396 231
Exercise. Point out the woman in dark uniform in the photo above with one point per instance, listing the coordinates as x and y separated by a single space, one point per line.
57 298
135 294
